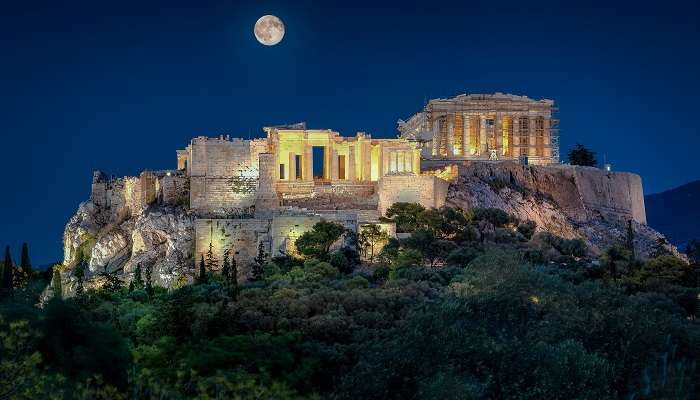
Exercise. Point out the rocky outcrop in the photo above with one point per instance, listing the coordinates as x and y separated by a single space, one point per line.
159 236
572 202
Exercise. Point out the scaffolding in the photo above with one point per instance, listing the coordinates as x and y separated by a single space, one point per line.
554 134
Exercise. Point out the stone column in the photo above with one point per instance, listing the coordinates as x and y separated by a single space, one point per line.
407 161
436 137
367 157
483 141
351 163
385 161
450 135
532 138
292 167
516 135
416 161
465 134
334 164
307 160
498 127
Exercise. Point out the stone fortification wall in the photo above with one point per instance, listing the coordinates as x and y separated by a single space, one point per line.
223 173
286 229
335 196
427 190
581 192
240 236
119 198
174 189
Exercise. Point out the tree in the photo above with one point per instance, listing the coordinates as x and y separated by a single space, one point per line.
149 279
24 263
370 237
630 238
202 278
432 248
259 265
212 263
113 284
693 251
404 215
56 284
226 266
138 280
79 273
318 241
580 155
660 248
8 270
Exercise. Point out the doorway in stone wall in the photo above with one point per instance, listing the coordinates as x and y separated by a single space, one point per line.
319 162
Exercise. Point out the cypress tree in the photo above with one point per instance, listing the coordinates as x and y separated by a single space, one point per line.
234 277
7 270
226 267
211 262
79 272
56 284
234 271
138 280
24 263
131 286
258 266
149 281
630 238
202 278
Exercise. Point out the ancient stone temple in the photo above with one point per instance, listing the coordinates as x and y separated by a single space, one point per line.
230 195
485 127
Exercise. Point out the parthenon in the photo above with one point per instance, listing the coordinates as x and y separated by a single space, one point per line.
485 127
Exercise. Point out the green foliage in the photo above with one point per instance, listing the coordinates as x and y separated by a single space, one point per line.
138 279
693 251
527 229
443 315
404 215
25 264
581 155
371 237
202 277
56 284
494 216
259 263
7 270
318 241
149 279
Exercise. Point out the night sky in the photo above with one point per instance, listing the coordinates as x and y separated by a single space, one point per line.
119 86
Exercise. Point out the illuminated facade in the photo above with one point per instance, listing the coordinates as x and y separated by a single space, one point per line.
271 190
485 127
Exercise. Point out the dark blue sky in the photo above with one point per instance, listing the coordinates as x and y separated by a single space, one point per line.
120 86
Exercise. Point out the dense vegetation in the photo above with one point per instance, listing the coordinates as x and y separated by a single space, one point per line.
471 304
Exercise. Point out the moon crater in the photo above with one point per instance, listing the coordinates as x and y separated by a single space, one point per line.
269 30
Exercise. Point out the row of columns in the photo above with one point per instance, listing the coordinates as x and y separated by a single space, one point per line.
484 139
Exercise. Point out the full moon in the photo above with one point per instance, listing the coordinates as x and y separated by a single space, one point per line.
269 30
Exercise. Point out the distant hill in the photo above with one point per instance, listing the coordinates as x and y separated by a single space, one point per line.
676 213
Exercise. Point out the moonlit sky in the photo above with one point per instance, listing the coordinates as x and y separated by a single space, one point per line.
120 86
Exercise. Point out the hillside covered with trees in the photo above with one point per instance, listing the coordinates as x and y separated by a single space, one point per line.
470 304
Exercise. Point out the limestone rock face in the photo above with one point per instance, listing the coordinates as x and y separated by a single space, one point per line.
571 202
161 237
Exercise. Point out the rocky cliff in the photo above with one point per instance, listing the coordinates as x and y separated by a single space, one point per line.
572 202
161 236
116 230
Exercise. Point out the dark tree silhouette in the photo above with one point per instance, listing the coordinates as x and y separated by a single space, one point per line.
581 155
149 279
7 270
202 277
260 260
24 263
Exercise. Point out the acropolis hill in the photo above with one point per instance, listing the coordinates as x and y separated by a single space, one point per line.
493 150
